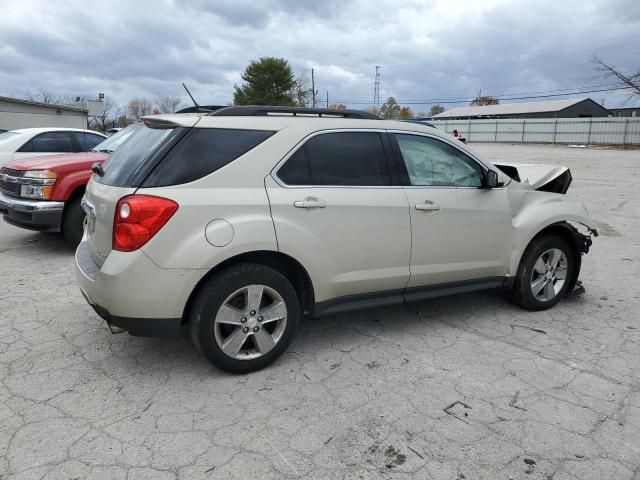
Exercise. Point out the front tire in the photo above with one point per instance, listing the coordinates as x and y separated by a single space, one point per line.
73 222
544 274
244 317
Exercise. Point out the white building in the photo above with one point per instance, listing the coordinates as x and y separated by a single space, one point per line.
18 113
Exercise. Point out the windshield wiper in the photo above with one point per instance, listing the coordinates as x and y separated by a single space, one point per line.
106 150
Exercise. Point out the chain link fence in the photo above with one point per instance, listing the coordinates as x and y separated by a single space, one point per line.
587 131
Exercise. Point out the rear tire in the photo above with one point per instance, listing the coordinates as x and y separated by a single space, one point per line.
544 274
73 222
244 317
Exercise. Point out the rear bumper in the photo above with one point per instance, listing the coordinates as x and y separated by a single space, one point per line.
138 327
131 293
39 215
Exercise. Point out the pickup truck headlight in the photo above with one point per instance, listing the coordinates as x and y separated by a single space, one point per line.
38 184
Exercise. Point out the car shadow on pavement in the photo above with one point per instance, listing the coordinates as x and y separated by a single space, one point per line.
46 241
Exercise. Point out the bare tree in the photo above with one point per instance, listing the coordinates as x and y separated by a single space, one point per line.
167 104
139 107
302 91
107 115
44 95
337 106
632 82
484 100
435 110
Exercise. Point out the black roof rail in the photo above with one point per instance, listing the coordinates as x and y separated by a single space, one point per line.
201 108
263 111
420 122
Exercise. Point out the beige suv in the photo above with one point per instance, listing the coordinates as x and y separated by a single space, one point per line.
232 225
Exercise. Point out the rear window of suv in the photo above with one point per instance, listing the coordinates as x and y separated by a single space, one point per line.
122 165
203 151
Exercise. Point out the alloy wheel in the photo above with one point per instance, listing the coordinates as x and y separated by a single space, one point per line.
250 322
549 275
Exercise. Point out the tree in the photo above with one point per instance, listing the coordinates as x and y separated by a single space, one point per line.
107 115
268 81
405 113
302 92
167 104
337 106
390 109
435 110
631 82
484 100
123 121
45 96
139 107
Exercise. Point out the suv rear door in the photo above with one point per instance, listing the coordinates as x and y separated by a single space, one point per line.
460 230
337 209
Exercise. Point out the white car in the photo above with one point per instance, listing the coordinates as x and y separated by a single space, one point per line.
236 223
32 142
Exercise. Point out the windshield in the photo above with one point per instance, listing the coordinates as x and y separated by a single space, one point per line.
115 140
126 160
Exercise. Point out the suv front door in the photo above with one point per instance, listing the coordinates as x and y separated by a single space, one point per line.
460 230
336 209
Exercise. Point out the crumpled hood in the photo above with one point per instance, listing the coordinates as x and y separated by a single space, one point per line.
548 178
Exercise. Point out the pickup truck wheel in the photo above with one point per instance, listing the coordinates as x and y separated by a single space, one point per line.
73 222
544 273
244 317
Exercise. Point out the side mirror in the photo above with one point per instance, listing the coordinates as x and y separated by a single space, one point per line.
490 179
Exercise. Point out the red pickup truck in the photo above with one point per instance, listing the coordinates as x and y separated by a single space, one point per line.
44 193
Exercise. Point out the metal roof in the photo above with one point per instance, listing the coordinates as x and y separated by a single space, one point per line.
510 108
40 104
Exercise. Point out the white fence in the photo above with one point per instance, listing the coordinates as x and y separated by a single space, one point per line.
600 131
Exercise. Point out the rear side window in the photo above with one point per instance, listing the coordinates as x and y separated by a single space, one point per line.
341 159
203 151
87 140
49 142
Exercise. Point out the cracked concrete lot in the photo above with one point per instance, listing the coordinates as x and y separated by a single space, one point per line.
549 395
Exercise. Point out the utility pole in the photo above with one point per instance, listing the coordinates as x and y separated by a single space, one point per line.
376 90
327 98
313 89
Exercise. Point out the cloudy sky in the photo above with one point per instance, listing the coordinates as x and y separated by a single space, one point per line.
430 51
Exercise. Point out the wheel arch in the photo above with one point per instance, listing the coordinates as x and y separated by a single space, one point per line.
578 242
283 263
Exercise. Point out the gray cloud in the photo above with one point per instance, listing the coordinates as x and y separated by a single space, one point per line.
428 50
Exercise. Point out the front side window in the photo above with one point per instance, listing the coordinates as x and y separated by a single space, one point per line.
433 163
49 142
339 159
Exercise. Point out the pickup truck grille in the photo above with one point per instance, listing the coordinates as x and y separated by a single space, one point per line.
10 188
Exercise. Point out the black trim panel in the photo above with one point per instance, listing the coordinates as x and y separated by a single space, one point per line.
393 297
42 221
142 327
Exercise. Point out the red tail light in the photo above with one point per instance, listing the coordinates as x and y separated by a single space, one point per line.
138 218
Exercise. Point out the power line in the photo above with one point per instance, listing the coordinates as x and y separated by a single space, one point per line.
498 97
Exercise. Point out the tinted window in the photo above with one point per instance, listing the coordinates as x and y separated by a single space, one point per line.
346 159
431 162
296 170
49 142
87 140
114 141
203 151
126 160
